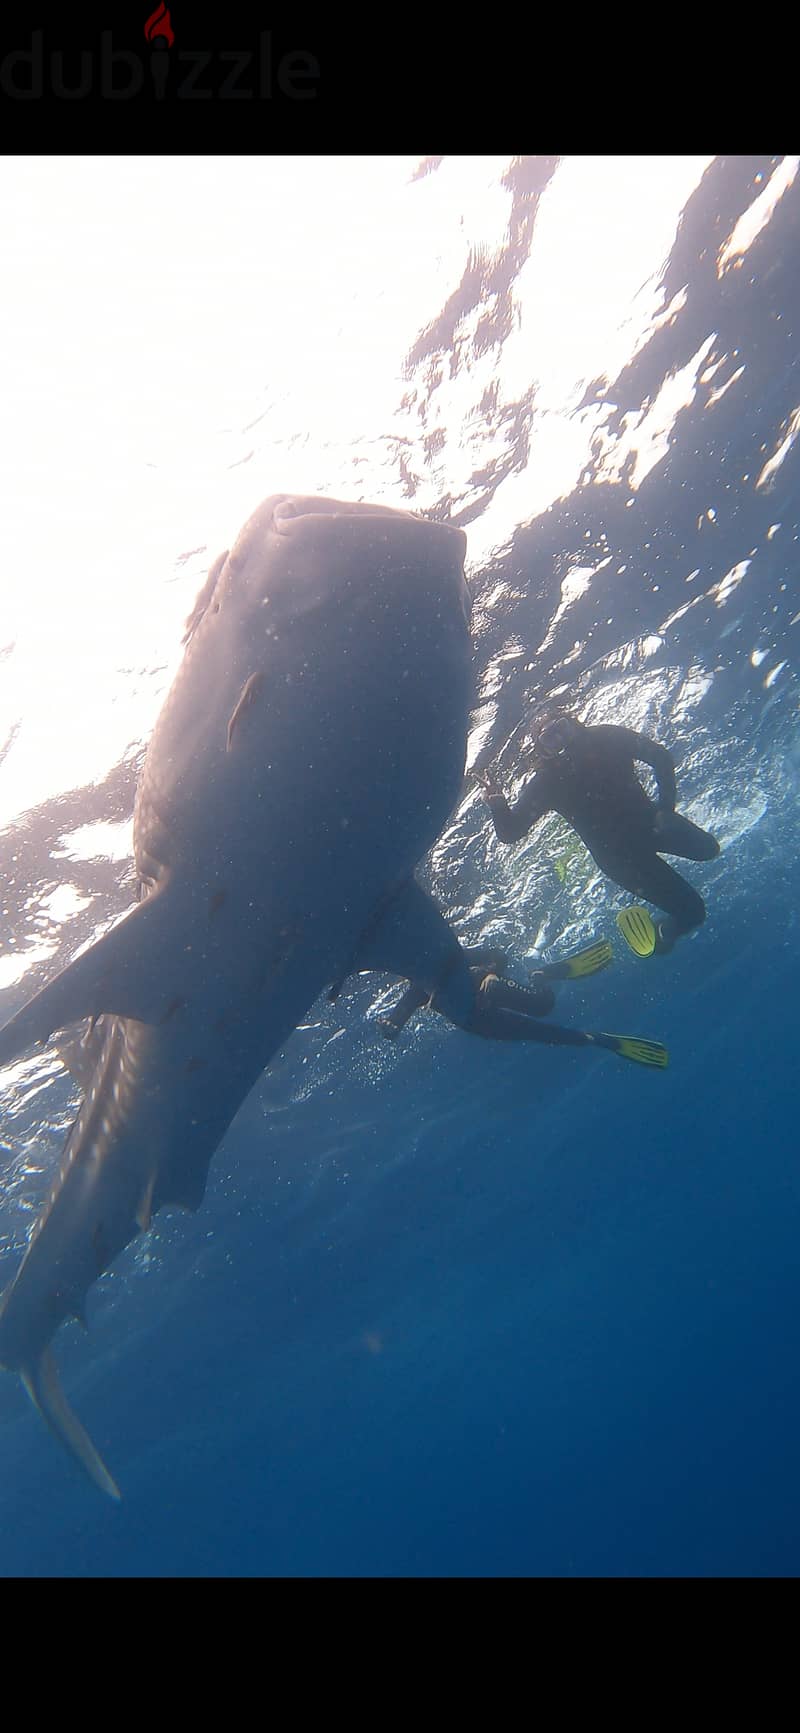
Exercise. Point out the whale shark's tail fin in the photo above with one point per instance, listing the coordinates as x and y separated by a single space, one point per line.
44 1389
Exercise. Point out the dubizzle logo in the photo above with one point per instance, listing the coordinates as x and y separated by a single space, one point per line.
160 24
159 29
260 73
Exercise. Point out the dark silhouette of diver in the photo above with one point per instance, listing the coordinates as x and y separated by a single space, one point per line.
587 775
503 1011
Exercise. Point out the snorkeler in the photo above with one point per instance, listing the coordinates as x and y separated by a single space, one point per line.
504 1011
587 775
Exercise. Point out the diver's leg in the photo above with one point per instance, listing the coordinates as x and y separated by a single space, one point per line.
496 1018
651 878
493 1017
676 834
533 1001
490 960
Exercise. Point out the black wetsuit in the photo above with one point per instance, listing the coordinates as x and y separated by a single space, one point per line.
502 1010
592 783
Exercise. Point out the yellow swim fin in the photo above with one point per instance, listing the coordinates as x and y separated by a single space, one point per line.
638 930
636 1048
587 962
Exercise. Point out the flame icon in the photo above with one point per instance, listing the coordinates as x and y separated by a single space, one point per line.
160 24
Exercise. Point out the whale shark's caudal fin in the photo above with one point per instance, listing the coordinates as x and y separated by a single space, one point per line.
42 1385
123 974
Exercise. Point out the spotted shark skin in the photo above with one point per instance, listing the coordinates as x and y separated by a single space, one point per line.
307 756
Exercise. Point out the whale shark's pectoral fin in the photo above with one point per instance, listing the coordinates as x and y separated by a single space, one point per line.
409 936
123 974
42 1385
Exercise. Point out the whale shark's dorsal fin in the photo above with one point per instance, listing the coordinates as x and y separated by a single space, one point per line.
122 974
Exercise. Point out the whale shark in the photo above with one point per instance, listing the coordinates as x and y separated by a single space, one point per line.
307 756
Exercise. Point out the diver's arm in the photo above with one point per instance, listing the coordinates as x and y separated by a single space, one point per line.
512 822
660 762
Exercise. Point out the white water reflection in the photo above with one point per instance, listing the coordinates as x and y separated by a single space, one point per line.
186 343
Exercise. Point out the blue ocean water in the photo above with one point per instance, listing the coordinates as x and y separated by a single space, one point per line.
457 1309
